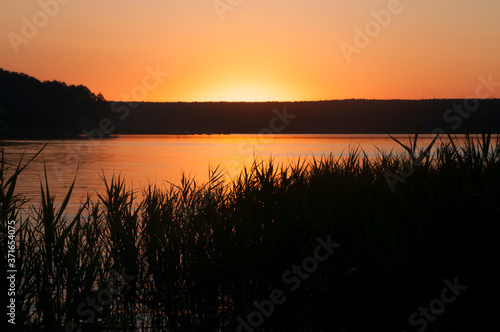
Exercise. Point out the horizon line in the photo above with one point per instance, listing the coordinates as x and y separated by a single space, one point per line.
297 101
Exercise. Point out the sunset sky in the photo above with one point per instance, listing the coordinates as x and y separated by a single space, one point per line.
256 49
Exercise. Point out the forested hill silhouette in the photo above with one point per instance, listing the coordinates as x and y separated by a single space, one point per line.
30 108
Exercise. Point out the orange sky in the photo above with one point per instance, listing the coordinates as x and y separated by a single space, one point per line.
256 49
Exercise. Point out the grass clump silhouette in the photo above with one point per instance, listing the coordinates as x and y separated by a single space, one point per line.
195 258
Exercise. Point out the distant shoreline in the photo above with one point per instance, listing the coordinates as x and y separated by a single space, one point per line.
341 117
52 136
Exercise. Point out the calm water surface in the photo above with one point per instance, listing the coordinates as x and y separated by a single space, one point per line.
144 160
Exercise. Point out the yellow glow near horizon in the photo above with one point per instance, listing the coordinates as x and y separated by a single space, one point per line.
243 94
246 92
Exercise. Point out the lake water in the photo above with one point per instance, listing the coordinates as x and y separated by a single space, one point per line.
144 160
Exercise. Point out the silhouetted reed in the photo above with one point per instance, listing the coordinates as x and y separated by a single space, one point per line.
191 257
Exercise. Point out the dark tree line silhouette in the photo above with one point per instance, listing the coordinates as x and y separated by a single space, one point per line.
49 107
